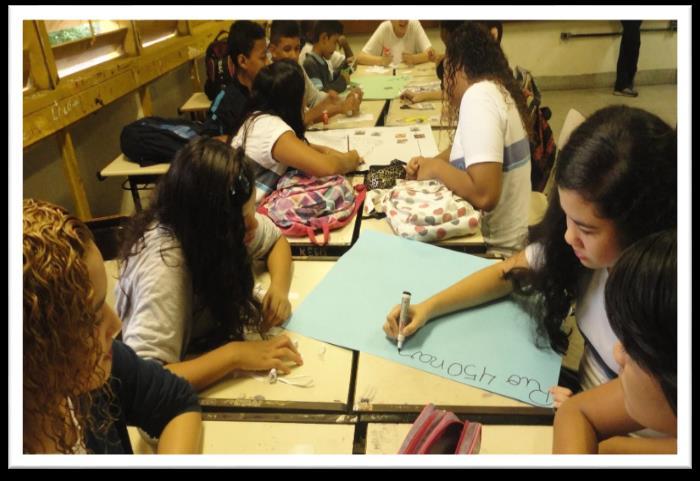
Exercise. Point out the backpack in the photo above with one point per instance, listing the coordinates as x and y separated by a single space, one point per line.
155 140
216 62
303 204
436 431
424 210
543 150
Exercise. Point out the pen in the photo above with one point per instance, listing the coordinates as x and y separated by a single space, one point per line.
405 302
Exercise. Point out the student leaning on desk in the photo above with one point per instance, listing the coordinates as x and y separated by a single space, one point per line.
80 387
185 291
640 299
616 183
273 133
284 44
396 41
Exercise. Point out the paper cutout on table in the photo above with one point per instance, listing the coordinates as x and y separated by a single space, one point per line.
376 69
379 87
491 347
357 118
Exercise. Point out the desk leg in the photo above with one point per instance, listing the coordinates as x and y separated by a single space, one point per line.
135 194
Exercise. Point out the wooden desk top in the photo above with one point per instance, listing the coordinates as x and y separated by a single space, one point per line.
196 103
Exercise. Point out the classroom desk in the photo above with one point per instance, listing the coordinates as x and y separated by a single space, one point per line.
388 387
232 437
328 365
370 113
495 439
365 70
339 241
197 106
422 70
473 244
398 114
123 167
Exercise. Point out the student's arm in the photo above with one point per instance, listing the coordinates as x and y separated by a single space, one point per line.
276 306
638 445
478 288
368 59
208 368
291 151
182 435
416 58
416 97
589 417
345 45
480 184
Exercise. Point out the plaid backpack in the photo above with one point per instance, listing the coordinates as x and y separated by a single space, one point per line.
303 205
216 62
436 431
543 150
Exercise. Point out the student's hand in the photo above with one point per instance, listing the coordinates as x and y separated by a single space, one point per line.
386 59
359 93
265 355
407 58
276 307
351 104
342 41
418 315
560 394
413 97
432 56
353 160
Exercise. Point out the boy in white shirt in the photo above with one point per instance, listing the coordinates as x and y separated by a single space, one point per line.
397 41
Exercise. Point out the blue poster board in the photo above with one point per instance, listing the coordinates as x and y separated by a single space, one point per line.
491 347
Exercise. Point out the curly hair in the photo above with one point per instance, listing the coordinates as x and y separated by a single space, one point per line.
472 50
624 161
200 201
61 348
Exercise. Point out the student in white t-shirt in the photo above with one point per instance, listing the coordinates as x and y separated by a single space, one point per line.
489 162
615 183
397 41
272 134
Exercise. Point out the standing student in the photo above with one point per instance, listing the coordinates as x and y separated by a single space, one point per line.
615 183
80 387
488 164
273 132
185 291
284 44
640 300
247 54
396 41
316 62
627 58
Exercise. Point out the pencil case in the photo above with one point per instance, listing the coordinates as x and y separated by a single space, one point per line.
437 431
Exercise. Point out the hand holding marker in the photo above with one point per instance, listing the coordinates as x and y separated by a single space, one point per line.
405 302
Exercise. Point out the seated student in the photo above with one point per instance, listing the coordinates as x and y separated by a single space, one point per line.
186 283
640 300
273 133
489 162
248 53
396 41
81 387
446 28
284 44
338 60
616 183
325 40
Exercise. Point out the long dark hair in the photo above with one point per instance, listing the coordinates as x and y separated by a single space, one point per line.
471 49
623 160
200 201
640 299
278 89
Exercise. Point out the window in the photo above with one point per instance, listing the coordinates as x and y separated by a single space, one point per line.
155 31
80 44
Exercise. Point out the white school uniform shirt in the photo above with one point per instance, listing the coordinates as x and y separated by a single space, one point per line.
598 364
489 129
415 41
155 299
260 137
